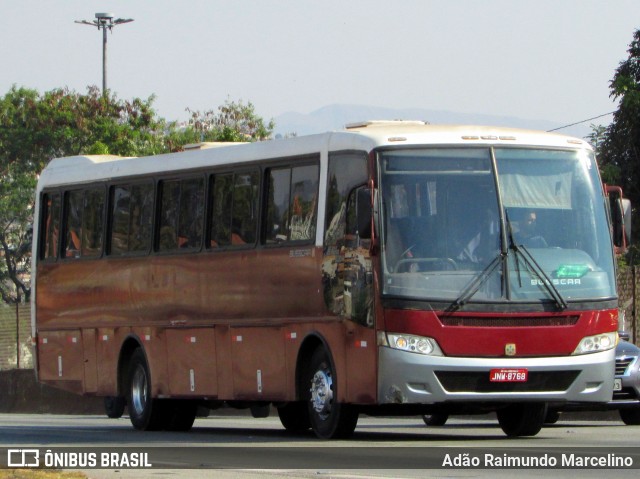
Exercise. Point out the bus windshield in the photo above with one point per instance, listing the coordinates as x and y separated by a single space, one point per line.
494 225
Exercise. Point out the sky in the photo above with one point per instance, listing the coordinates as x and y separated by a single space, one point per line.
544 59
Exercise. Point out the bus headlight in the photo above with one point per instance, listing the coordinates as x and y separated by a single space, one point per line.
410 343
597 343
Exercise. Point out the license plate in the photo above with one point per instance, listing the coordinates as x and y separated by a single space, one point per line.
617 384
508 375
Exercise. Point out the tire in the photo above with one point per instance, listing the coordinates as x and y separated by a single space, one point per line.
552 416
180 414
631 417
260 411
145 413
294 416
522 419
329 419
437 419
114 406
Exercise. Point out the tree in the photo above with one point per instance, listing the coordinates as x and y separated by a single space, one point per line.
609 172
620 150
233 121
35 128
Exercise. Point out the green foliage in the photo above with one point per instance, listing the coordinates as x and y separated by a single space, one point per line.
620 150
597 136
233 121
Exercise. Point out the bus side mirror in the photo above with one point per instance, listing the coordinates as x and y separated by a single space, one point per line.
363 212
620 209
626 215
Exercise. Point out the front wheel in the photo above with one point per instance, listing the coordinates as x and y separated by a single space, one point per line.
329 419
522 419
145 413
631 417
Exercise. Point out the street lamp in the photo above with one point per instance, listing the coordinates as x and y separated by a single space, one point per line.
104 21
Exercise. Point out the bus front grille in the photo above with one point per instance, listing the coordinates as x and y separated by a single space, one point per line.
508 321
478 382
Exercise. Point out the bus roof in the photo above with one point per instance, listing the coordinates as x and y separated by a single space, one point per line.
364 136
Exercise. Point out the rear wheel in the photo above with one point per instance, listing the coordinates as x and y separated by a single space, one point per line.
437 419
180 414
145 413
329 419
294 416
260 410
114 406
522 419
631 417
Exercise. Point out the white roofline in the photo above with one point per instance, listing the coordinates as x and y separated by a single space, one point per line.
361 136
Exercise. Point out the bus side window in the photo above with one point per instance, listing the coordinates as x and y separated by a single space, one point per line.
221 202
181 206
304 193
50 225
169 204
234 209
74 202
346 264
244 219
120 220
291 204
131 216
277 223
84 223
92 222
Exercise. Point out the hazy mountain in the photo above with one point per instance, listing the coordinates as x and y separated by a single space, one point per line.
334 117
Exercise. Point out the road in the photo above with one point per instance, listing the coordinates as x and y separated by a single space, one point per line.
261 448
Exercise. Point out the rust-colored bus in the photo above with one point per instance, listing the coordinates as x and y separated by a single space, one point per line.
389 268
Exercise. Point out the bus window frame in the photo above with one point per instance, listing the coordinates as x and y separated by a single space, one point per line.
129 182
312 159
157 212
62 246
209 185
43 226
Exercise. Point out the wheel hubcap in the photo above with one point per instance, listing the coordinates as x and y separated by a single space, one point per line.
321 393
139 391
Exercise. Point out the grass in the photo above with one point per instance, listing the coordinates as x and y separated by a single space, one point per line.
39 474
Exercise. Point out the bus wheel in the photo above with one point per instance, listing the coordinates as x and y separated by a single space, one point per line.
329 419
114 406
437 419
522 419
294 416
180 414
145 412
631 417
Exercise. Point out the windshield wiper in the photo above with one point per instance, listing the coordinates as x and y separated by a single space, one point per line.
520 251
477 282
533 267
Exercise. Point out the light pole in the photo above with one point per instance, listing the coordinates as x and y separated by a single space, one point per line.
105 21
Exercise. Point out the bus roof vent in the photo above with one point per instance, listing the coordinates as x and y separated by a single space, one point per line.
364 124
210 144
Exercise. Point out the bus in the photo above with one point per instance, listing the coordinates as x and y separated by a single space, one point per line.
389 268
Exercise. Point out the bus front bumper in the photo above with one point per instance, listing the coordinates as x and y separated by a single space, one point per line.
410 378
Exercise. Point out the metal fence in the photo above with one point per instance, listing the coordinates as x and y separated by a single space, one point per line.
15 323
15 337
